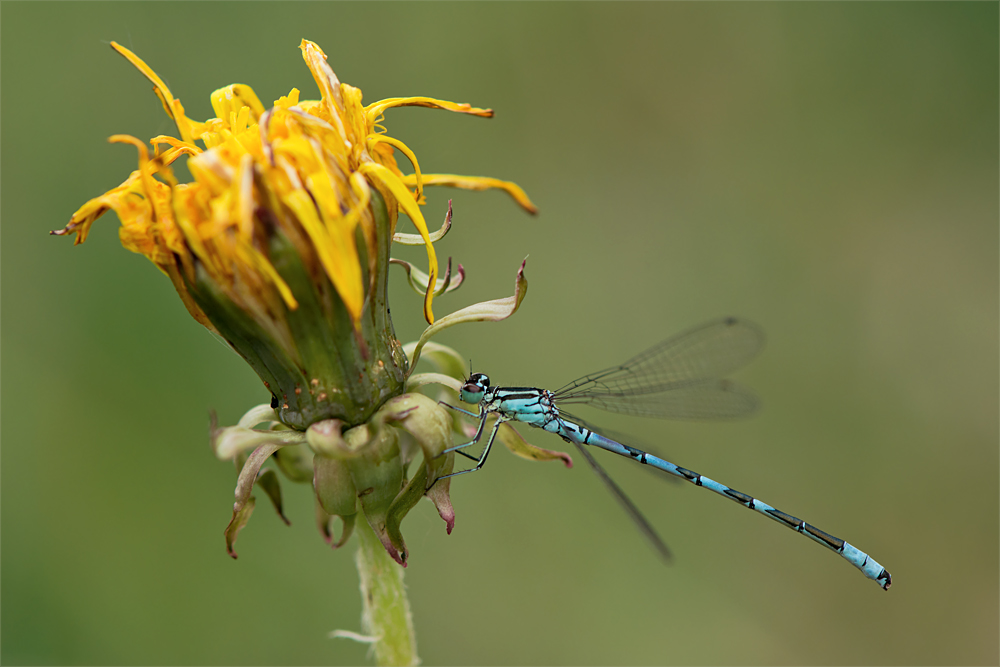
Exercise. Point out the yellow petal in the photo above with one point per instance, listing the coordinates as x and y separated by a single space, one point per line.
172 105
384 176
474 183
381 138
234 97
373 111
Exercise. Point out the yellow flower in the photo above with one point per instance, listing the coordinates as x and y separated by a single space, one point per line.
313 163
280 243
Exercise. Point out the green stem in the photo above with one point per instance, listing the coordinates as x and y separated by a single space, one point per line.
385 609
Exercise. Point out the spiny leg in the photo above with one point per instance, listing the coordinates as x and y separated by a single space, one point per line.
482 458
458 409
479 431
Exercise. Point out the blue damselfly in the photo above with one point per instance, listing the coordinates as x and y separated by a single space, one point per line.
683 377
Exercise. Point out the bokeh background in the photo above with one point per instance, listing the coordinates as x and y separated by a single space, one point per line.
827 170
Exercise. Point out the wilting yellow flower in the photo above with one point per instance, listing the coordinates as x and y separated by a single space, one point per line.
280 246
291 206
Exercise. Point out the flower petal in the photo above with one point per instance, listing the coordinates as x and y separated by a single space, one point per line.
240 519
170 104
418 279
475 183
402 196
418 380
228 101
445 359
486 311
417 239
230 441
373 111
243 506
375 139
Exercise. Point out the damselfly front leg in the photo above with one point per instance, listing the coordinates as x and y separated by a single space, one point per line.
479 431
479 434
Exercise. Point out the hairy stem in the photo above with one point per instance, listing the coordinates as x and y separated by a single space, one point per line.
385 609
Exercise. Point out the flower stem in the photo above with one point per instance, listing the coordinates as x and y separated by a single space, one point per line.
385 609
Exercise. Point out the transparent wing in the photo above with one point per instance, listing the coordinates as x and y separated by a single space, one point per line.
708 400
681 378
633 512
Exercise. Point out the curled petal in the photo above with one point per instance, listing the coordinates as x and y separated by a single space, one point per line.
487 311
243 506
475 183
248 475
418 279
416 239
375 139
445 359
233 440
259 414
439 495
422 379
387 178
373 111
239 520
172 106
329 84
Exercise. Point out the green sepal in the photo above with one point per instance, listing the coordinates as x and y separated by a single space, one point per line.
428 423
430 426
324 521
268 480
335 490
377 473
296 463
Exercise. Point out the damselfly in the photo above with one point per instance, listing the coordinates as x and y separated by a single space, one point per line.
683 377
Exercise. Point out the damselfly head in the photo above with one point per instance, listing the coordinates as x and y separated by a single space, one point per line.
474 388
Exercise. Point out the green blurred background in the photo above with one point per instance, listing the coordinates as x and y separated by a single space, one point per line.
827 170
